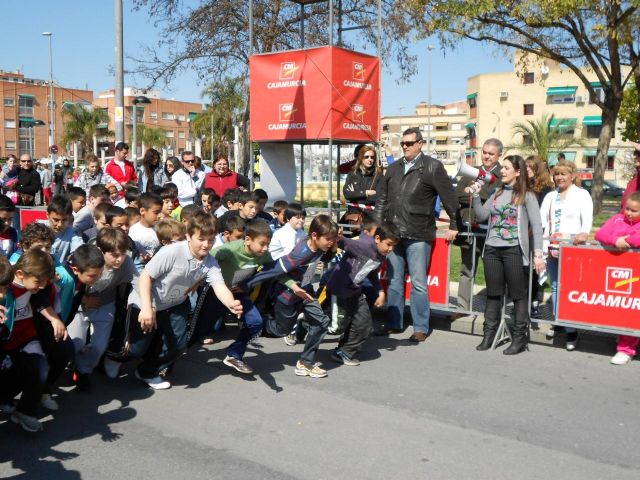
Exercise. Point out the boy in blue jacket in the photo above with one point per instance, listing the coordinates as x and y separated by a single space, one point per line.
361 261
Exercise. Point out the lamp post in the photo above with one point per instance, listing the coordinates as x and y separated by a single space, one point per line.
429 126
142 100
32 138
52 117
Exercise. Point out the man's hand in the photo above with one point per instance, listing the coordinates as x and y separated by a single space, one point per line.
622 244
382 297
450 235
369 193
580 238
540 265
235 307
147 319
302 293
474 188
59 330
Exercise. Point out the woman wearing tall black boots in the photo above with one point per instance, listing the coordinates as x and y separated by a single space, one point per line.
512 212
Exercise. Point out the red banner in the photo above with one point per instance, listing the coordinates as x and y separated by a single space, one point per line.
599 288
437 275
30 215
314 94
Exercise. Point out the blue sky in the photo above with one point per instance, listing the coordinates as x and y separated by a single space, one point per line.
83 52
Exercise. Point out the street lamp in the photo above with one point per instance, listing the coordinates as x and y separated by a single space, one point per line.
429 49
29 125
52 118
137 100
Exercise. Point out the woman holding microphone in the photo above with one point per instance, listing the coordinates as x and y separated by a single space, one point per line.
511 211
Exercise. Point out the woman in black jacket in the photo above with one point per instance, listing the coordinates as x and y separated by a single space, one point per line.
28 181
361 184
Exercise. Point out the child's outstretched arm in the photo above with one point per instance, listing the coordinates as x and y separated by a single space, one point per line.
226 298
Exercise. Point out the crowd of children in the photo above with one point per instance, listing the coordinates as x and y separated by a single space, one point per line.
106 280
115 275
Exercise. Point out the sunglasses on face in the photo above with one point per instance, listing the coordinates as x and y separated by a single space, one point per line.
408 144
188 161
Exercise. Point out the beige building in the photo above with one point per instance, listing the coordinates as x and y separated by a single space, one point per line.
172 116
497 100
446 131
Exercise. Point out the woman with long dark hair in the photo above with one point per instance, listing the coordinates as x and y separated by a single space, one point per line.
171 166
540 183
150 173
361 184
512 211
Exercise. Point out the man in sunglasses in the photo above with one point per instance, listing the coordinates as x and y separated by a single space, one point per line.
188 179
634 183
28 181
407 197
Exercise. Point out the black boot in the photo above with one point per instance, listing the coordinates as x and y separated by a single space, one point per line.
487 341
518 345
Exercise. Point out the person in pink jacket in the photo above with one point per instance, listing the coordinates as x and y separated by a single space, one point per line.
623 231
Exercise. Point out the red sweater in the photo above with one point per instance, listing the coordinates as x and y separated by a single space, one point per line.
115 171
221 184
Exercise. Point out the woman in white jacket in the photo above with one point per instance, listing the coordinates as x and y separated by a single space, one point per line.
566 214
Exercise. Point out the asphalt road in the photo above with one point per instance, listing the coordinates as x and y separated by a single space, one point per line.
439 410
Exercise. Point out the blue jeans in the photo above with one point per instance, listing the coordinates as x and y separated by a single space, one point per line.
162 347
552 270
251 327
417 254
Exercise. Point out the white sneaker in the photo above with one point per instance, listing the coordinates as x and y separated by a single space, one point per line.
620 358
30 424
111 368
49 403
291 339
157 383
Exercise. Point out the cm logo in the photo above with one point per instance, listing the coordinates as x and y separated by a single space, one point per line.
357 112
286 112
288 70
358 71
620 280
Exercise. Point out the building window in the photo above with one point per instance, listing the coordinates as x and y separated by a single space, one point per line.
169 133
442 126
181 134
528 108
563 98
181 117
9 123
10 145
456 126
25 106
593 131
599 94
591 162
167 116
153 115
441 140
9 102
529 77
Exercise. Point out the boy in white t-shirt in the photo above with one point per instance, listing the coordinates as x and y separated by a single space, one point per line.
285 238
161 298
142 233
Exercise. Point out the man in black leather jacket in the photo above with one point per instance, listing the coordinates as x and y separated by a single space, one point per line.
28 181
407 197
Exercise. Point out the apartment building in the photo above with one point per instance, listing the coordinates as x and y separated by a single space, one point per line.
171 116
498 100
445 130
24 113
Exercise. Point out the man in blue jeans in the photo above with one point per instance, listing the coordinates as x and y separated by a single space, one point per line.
407 198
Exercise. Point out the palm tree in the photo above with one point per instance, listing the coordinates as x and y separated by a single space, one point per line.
80 124
542 136
227 100
151 137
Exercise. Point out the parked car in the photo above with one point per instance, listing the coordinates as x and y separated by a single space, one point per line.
609 189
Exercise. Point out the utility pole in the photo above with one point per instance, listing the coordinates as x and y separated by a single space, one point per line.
52 111
119 111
